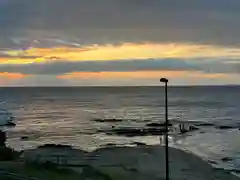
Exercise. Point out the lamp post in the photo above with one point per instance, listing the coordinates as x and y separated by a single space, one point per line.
165 81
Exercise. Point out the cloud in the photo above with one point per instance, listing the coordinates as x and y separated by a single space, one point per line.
46 39
62 67
113 21
15 75
142 75
7 79
39 80
111 52
8 56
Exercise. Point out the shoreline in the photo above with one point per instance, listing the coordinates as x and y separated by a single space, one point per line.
144 162
218 165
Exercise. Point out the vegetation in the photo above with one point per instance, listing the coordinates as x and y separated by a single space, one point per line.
44 173
2 138
50 171
8 154
93 174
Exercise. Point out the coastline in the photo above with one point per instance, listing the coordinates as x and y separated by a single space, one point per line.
140 162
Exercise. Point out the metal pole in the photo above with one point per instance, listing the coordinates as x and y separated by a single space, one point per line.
166 133
165 81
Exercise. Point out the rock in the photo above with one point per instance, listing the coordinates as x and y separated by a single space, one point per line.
193 128
183 131
10 124
24 137
131 132
154 131
205 124
182 128
225 159
187 128
110 144
157 124
55 146
225 127
139 144
108 120
212 162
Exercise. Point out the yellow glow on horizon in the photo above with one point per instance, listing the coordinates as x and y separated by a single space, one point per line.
119 52
142 75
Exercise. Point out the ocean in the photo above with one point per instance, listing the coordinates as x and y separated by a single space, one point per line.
65 115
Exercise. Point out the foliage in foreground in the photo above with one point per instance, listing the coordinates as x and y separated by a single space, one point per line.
50 171
8 154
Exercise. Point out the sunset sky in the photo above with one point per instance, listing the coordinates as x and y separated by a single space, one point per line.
119 42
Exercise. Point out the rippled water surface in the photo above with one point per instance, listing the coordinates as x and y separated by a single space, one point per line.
65 115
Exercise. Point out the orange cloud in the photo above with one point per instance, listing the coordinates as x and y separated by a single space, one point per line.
12 75
116 52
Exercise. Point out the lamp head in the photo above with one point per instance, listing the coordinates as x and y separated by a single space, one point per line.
164 80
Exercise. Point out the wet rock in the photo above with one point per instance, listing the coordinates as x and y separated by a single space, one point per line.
193 128
187 128
108 120
139 144
225 127
212 162
226 159
55 146
157 124
10 124
183 131
110 144
24 137
131 132
205 124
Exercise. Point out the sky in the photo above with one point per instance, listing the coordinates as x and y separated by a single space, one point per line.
119 42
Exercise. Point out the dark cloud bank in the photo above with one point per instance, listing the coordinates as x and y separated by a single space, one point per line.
94 21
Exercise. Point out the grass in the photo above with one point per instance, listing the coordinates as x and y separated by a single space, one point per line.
93 174
6 178
50 171
45 172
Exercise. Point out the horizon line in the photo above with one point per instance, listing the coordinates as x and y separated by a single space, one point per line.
112 86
